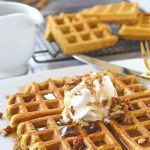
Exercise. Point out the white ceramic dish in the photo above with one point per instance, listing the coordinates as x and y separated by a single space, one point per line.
17 36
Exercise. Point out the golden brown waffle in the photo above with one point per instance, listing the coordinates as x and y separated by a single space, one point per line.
136 134
38 120
76 34
138 31
122 13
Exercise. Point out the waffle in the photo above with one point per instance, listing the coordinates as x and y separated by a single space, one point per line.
136 134
122 13
76 34
138 31
38 120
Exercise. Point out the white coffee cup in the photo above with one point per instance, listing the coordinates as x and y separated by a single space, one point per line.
17 37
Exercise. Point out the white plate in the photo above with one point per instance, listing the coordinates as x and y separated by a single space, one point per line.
10 86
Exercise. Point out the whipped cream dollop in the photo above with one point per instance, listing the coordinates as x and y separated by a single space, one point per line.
90 100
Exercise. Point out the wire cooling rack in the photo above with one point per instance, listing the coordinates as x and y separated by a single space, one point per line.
46 51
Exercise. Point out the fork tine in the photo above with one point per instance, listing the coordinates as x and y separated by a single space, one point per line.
145 54
147 48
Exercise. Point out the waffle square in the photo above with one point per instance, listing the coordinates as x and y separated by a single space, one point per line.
36 116
76 34
121 13
138 31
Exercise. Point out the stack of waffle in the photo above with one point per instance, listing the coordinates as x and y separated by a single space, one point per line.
35 114
86 30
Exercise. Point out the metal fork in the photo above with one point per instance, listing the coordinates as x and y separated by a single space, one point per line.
145 52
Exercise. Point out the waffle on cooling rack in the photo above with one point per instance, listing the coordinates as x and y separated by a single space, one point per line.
138 31
76 34
122 13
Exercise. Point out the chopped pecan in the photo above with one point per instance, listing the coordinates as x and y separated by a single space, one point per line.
129 104
6 131
116 100
128 118
78 145
78 93
104 102
72 110
7 96
1 115
74 82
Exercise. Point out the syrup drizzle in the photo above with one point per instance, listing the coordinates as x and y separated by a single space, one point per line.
119 140
93 127
69 131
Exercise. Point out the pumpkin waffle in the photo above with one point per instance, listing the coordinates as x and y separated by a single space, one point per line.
76 34
38 119
136 133
122 13
138 31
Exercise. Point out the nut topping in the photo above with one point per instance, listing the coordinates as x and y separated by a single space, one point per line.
78 145
1 115
6 131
